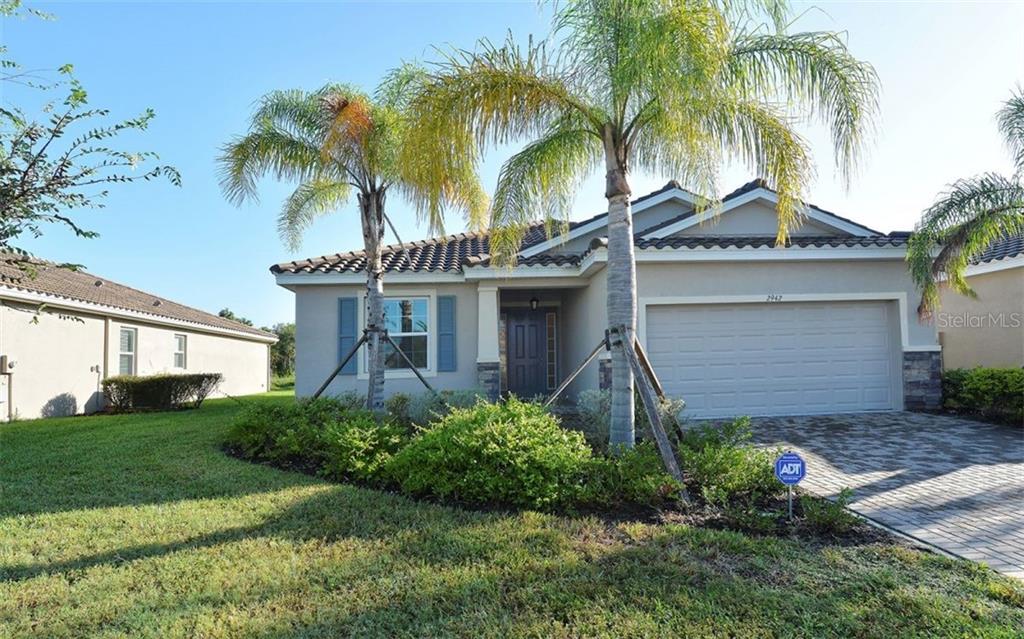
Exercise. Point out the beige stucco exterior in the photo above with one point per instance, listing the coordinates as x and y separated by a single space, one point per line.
987 330
578 293
57 357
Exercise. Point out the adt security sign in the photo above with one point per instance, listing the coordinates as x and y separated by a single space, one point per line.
790 468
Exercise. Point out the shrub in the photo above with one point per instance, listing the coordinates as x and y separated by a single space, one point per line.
429 407
325 435
635 477
397 407
595 406
993 393
829 516
358 448
511 453
724 466
159 392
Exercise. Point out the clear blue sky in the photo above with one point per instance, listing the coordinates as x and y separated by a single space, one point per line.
945 67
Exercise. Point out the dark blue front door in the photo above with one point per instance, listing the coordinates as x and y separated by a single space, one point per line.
526 339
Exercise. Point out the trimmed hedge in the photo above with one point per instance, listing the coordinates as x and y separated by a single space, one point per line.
127 393
993 393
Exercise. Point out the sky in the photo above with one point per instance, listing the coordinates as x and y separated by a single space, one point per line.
944 69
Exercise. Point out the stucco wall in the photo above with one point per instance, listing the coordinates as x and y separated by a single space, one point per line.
316 339
785 279
58 361
59 358
752 218
989 330
243 363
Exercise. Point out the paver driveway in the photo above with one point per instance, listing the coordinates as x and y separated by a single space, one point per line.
954 483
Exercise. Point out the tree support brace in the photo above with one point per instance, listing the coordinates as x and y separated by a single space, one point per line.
355 349
650 391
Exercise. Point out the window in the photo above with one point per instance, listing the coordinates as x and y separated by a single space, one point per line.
126 352
407 321
180 345
552 351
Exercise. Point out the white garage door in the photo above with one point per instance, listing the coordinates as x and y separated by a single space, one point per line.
775 359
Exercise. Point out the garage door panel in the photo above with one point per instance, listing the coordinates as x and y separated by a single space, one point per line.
783 358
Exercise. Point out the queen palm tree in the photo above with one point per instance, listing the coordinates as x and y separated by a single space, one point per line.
970 215
333 141
668 86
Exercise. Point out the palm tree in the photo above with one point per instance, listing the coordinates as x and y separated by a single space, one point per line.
668 86
333 141
970 215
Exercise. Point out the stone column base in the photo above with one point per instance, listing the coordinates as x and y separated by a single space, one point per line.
604 373
922 380
488 378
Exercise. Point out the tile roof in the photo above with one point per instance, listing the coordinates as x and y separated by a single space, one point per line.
1010 246
50 279
449 254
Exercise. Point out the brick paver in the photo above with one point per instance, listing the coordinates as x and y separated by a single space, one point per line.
954 483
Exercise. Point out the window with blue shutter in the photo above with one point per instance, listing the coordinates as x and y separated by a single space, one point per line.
347 328
446 333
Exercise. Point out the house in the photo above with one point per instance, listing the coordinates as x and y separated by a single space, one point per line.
987 330
732 324
63 331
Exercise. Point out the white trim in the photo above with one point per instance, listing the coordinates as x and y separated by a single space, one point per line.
900 297
811 212
1017 261
389 293
103 310
518 272
770 254
671 194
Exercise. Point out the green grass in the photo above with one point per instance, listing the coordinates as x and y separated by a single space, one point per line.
138 525
285 383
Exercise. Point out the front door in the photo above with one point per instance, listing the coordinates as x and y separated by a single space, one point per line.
526 352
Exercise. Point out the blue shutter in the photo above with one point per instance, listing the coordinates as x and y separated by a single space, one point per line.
446 333
347 332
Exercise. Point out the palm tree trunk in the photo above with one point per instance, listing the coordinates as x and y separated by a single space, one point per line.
371 208
621 291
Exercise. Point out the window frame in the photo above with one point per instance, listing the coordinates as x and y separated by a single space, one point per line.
134 332
430 295
183 352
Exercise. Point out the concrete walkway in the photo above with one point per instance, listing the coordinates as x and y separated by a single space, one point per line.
954 483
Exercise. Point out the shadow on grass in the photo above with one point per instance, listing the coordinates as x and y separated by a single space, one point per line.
102 461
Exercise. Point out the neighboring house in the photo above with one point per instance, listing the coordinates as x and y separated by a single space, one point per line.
62 332
732 324
987 330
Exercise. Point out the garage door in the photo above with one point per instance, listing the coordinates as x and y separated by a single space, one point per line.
775 359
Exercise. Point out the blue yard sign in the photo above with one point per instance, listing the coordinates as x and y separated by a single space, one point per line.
790 468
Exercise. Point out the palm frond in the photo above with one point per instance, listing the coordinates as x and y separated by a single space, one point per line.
1011 125
961 225
266 150
309 201
816 71
691 140
540 182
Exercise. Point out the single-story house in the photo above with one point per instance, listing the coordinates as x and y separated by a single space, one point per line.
732 323
987 330
62 332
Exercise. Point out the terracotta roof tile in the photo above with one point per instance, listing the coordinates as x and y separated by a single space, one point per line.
49 279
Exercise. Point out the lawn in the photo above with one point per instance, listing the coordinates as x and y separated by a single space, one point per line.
138 525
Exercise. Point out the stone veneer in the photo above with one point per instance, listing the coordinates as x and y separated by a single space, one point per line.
488 378
922 380
604 373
